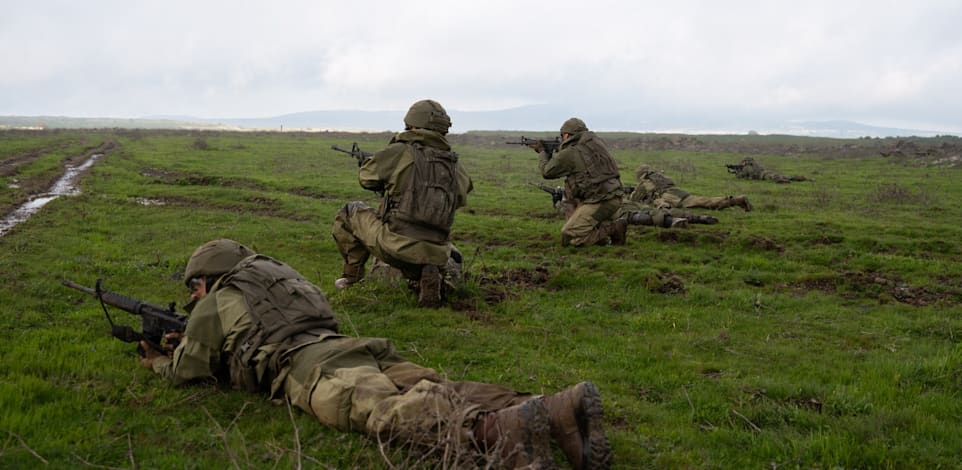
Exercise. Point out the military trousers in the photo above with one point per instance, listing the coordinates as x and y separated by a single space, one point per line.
364 385
704 202
583 222
359 233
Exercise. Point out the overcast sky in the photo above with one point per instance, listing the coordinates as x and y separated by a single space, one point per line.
896 63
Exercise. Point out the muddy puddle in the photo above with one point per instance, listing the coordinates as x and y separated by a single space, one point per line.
65 186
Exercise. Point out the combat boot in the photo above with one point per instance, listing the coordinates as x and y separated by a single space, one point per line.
702 219
576 416
521 435
618 231
742 201
429 287
350 275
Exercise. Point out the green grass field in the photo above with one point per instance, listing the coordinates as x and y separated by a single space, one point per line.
821 330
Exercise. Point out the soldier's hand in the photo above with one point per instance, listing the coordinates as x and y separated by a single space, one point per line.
150 354
169 342
537 146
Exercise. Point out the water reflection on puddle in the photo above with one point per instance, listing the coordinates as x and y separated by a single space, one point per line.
65 186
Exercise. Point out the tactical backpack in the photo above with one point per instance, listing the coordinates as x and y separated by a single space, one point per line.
426 199
286 311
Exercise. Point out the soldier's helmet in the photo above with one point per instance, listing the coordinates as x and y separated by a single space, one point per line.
215 257
428 114
573 126
748 160
642 171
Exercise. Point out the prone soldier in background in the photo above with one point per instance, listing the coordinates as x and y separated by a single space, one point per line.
748 168
657 190
635 213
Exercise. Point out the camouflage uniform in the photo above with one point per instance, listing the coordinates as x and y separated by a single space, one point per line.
750 169
261 327
657 190
352 384
637 213
593 183
393 232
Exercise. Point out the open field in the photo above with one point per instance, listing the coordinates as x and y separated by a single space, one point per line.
821 330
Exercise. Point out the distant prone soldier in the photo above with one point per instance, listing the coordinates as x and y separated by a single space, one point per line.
635 213
657 190
748 168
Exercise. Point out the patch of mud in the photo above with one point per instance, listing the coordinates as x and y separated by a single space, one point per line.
762 243
494 288
258 205
65 186
666 283
884 288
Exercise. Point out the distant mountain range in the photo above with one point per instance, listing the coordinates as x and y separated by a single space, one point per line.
526 118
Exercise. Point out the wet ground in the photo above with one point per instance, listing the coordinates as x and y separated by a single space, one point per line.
65 186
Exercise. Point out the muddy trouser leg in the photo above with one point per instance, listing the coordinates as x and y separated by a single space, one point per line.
355 233
588 223
705 202
353 383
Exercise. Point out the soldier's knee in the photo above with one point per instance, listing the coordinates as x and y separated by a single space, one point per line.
351 209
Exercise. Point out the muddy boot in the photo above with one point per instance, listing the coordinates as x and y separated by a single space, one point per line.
429 287
350 275
702 219
640 218
618 231
452 273
742 201
521 435
576 416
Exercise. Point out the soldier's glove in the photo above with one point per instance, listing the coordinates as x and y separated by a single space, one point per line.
537 146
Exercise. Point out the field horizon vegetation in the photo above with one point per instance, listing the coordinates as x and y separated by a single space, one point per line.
820 330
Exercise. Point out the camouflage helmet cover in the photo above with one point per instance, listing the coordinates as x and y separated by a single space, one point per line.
428 114
573 126
215 257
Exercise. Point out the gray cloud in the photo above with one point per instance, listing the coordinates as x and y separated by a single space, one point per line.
878 62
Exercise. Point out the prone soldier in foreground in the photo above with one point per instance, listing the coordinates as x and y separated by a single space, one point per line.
258 325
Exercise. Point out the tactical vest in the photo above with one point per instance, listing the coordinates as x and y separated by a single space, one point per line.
425 200
600 177
286 311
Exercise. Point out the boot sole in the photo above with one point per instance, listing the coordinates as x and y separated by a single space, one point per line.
595 446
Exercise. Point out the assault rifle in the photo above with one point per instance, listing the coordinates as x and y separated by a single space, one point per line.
356 152
734 168
155 321
550 146
557 193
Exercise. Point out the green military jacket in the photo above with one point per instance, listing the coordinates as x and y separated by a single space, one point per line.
386 171
591 175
